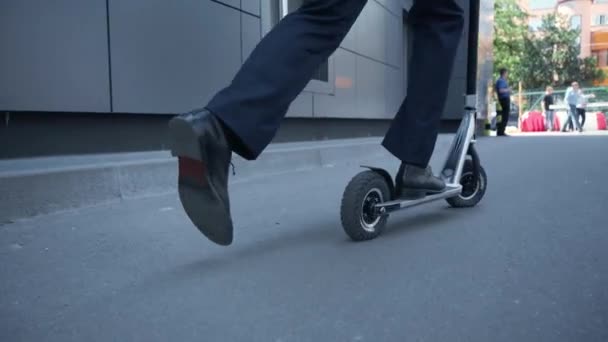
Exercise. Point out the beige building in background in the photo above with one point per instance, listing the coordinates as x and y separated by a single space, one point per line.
591 16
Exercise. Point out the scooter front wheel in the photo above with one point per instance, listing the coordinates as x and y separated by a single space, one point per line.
361 219
472 192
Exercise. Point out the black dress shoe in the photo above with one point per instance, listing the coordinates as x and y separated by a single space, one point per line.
199 141
414 182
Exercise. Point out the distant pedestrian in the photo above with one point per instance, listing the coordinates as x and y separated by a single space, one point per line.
549 113
581 106
503 92
571 98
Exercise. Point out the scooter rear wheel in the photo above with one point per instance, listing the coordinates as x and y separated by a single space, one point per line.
471 193
361 220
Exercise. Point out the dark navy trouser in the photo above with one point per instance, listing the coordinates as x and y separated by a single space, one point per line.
281 65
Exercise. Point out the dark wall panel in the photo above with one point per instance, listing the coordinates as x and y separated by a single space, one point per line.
54 56
171 56
251 6
251 34
233 3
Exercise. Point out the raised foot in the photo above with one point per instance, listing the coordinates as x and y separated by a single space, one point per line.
203 152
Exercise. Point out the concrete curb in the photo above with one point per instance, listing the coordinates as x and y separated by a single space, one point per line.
36 186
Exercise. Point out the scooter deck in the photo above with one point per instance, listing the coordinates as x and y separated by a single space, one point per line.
398 204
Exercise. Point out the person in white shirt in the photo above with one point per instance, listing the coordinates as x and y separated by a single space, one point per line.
571 99
581 106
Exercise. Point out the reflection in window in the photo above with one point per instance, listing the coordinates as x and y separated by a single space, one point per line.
575 22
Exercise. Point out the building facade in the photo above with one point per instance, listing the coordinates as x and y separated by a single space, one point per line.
148 59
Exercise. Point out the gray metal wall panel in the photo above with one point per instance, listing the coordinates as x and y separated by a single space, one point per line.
350 41
233 3
395 7
251 6
370 32
251 33
374 31
54 56
393 28
370 89
169 57
301 107
394 89
343 104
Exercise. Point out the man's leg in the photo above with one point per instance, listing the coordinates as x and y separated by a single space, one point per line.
500 120
279 68
572 123
568 124
577 124
506 111
437 27
582 115
245 116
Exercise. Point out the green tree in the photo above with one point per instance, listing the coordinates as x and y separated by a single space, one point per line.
510 33
537 55
590 71
550 56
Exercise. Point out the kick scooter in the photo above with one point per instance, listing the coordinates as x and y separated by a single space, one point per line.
371 196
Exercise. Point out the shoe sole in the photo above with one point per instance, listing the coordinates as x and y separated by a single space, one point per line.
194 186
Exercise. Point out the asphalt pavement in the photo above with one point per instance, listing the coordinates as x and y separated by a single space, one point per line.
529 263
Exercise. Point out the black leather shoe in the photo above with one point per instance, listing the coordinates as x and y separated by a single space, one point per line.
415 182
200 143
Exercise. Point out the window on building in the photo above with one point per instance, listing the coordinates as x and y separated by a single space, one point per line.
541 4
578 44
602 59
288 6
600 19
575 22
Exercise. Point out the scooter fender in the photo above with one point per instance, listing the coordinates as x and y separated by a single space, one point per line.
387 177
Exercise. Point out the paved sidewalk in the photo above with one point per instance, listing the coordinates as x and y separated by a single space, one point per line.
530 263
44 185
